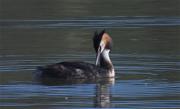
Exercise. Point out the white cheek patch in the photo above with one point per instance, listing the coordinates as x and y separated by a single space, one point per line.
102 45
105 54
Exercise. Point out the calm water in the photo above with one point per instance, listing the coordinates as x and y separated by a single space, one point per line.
146 52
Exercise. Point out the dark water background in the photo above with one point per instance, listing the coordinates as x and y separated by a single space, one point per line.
146 52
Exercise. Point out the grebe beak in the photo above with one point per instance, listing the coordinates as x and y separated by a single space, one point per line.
100 50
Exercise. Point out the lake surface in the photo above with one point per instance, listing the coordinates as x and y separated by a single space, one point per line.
146 53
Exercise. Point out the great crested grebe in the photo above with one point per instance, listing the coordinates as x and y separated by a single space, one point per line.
103 68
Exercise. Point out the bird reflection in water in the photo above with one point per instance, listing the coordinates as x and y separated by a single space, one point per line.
102 92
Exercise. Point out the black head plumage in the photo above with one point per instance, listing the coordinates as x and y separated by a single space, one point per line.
97 39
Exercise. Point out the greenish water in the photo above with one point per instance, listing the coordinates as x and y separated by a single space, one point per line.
146 52
57 9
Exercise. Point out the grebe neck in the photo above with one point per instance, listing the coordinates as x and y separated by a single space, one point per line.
105 62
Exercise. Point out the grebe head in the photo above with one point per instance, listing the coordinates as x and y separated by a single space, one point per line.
102 45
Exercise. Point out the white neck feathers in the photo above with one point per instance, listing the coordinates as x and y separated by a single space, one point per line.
107 61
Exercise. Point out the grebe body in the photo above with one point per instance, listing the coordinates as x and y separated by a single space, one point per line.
74 70
103 67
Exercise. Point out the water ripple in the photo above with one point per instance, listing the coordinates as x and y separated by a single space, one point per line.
94 22
122 63
142 81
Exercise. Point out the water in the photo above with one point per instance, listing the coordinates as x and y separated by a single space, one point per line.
145 54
